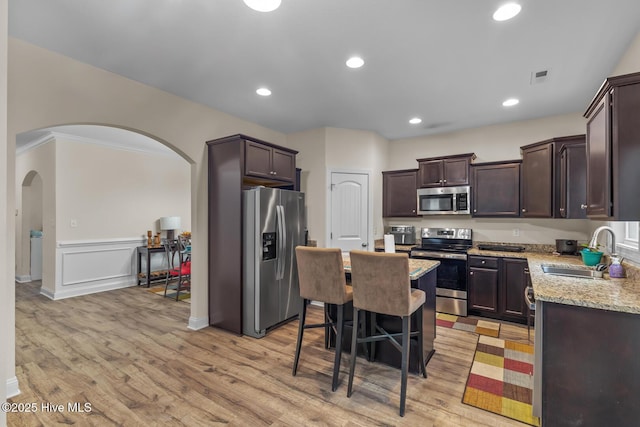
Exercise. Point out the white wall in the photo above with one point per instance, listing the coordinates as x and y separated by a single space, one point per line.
7 302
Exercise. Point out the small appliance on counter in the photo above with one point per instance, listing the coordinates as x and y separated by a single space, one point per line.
403 234
566 246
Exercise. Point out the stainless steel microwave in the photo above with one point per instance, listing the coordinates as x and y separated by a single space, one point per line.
444 201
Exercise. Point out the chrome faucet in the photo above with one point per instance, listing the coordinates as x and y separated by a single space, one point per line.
594 239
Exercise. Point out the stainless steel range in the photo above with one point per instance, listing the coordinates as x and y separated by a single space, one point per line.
449 246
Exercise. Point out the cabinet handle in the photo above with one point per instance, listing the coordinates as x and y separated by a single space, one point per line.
275 173
471 273
413 211
583 206
483 262
524 210
475 210
445 180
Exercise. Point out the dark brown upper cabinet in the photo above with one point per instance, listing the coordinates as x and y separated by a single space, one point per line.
446 171
496 189
266 161
541 185
613 150
399 193
537 180
572 194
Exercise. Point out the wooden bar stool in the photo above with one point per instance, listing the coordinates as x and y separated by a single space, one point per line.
321 277
381 285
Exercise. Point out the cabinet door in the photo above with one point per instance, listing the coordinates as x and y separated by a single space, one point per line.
483 289
399 193
599 163
455 172
573 182
283 165
496 190
431 173
257 160
514 281
537 181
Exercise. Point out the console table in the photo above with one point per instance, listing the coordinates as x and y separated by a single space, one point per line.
148 276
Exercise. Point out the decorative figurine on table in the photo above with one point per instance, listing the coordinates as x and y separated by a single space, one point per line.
156 240
149 238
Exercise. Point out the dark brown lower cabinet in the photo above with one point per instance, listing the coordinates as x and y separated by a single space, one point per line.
590 366
496 287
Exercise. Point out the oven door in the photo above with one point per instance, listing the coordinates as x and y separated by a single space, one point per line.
451 281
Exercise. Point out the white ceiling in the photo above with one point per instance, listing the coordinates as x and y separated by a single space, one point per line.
445 61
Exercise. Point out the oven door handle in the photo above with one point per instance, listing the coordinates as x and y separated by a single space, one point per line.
438 255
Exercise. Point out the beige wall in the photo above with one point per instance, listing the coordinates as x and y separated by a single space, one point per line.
493 143
326 149
48 89
115 193
630 62
7 302
40 160
110 193
311 159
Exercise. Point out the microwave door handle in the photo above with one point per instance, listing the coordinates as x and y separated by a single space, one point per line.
454 206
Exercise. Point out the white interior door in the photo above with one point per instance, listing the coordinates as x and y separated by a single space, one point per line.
349 211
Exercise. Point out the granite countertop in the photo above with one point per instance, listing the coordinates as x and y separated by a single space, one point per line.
417 267
607 294
379 245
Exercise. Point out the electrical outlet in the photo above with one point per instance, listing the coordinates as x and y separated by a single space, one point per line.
516 232
73 223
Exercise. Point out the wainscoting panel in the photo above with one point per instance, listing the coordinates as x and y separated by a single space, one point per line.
89 266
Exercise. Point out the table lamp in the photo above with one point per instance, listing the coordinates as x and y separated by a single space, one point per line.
170 223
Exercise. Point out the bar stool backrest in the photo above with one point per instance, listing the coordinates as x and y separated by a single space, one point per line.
321 275
381 282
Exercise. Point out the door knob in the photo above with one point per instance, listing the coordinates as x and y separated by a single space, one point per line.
583 206
364 245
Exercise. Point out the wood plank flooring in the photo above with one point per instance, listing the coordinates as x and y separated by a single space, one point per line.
129 355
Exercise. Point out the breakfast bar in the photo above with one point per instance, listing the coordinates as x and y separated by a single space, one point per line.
422 274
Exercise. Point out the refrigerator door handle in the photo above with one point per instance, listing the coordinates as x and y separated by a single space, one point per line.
281 241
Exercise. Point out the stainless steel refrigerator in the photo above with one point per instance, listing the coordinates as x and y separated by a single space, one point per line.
274 224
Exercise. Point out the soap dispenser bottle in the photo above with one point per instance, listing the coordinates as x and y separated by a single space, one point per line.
616 270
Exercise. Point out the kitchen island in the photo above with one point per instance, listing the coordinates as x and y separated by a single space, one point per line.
587 345
422 274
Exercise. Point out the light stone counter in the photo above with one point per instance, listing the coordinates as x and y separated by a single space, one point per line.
417 267
621 295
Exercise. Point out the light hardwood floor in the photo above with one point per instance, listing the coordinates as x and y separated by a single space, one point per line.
129 354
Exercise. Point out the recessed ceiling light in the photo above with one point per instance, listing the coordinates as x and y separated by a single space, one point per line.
355 62
415 121
263 91
507 11
510 102
263 5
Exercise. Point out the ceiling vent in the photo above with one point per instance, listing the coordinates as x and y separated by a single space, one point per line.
538 77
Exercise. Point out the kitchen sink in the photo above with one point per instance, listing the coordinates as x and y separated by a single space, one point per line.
572 271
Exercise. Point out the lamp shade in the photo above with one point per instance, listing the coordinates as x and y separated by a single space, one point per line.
169 222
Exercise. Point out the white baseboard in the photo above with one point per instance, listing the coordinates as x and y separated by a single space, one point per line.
23 279
12 387
197 323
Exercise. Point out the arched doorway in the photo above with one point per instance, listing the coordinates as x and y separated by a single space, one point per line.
29 229
106 187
